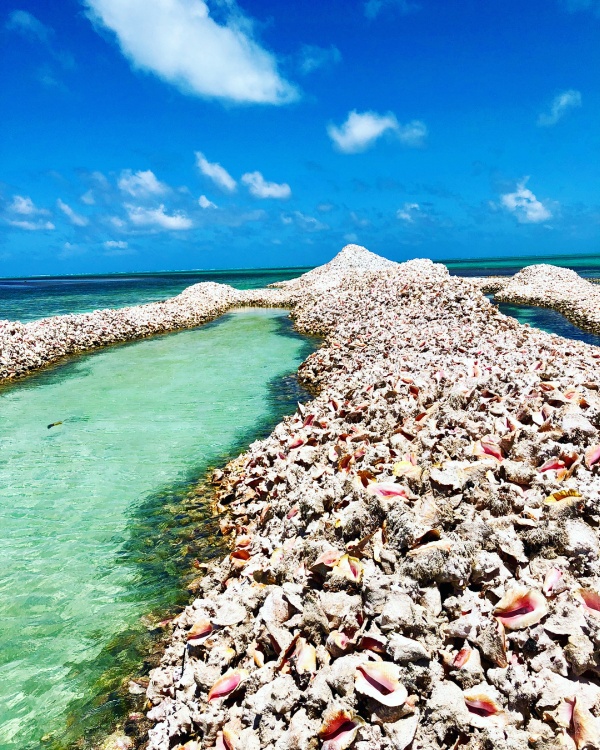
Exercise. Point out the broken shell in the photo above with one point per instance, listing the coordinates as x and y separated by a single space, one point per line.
444 545
520 608
326 561
306 657
381 681
387 490
462 657
225 740
338 643
552 464
586 732
553 576
339 729
407 469
590 599
484 711
199 632
350 568
556 497
373 642
226 684
488 446
592 456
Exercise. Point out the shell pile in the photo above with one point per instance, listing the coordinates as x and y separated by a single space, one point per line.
559 288
414 553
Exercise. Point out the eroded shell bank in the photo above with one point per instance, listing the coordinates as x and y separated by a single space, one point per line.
415 553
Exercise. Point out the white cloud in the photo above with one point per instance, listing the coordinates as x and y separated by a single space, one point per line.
260 188
561 104
88 198
180 42
27 24
524 205
32 226
361 130
203 202
313 57
75 218
351 237
407 212
141 184
307 223
157 218
116 244
24 206
215 172
374 7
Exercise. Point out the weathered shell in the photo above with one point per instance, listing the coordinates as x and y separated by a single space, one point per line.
339 729
484 711
520 608
387 490
592 456
586 732
226 684
381 681
306 657
350 568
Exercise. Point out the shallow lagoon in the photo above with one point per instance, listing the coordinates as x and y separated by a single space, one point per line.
85 507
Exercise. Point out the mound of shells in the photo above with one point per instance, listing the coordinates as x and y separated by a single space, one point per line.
559 288
415 556
27 347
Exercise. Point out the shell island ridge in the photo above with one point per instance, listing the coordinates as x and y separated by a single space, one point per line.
415 552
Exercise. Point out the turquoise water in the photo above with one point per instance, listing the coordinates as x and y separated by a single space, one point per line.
548 320
29 299
87 507
585 265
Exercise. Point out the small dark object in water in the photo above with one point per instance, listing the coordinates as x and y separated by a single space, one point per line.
54 424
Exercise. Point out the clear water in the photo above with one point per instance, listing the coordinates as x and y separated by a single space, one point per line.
86 507
547 320
30 299
585 265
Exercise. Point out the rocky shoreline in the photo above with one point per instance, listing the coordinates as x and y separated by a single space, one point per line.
415 553
558 288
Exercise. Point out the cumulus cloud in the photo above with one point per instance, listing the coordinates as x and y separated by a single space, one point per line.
373 8
141 184
116 244
22 213
304 222
75 218
561 104
313 57
157 218
524 205
260 188
361 130
408 211
203 202
215 172
180 42
27 24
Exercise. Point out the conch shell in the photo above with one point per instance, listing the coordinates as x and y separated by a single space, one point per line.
387 490
226 684
339 729
520 608
484 711
349 567
381 681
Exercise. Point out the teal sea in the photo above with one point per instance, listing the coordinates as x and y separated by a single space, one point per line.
97 533
101 525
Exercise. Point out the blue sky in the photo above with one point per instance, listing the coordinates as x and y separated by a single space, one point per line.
179 134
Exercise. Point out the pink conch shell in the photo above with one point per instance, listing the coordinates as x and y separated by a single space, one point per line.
521 608
488 446
387 490
553 576
381 681
226 684
326 561
306 657
199 632
592 456
373 642
350 568
586 732
338 643
339 729
552 464
407 469
484 711
462 657
296 443
590 599
226 740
